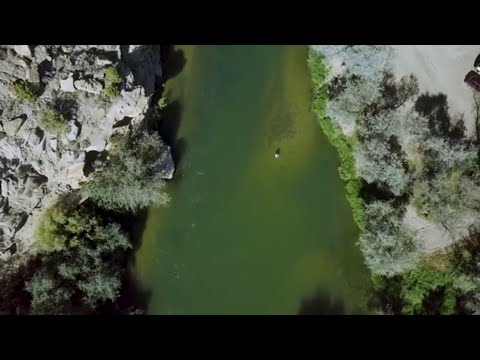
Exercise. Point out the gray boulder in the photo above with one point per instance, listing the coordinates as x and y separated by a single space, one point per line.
164 166
12 127
91 86
23 50
73 130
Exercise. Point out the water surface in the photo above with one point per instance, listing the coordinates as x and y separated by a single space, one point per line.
247 233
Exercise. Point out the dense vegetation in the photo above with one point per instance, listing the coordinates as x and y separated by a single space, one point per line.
82 247
129 181
371 161
83 239
82 252
442 283
399 148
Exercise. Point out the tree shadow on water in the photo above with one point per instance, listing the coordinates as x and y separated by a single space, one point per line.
322 303
167 126
169 122
134 299
133 296
166 121
173 61
178 150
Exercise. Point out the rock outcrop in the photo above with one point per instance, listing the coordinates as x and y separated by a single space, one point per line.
38 164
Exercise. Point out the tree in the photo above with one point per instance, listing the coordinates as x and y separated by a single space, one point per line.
129 181
86 270
59 227
395 94
366 61
382 125
450 198
362 71
100 286
94 266
378 163
388 247
443 156
352 103
48 297
428 290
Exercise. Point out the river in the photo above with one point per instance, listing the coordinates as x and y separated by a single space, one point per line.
247 233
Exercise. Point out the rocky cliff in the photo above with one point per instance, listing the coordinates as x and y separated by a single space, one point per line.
68 83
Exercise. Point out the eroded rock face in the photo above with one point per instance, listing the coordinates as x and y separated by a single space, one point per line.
143 62
38 164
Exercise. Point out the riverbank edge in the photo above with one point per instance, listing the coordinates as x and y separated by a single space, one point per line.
383 288
343 144
404 292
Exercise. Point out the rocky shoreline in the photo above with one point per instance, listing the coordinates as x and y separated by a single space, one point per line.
39 163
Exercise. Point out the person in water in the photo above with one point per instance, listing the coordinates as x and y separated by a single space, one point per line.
277 153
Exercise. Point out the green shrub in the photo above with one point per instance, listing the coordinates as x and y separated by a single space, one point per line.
49 234
52 121
59 228
388 247
112 91
23 91
112 81
128 182
112 75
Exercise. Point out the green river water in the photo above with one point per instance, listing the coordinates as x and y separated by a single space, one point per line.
246 233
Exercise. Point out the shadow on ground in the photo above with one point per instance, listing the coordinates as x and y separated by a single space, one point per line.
435 108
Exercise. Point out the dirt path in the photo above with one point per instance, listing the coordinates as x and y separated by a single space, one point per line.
430 235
